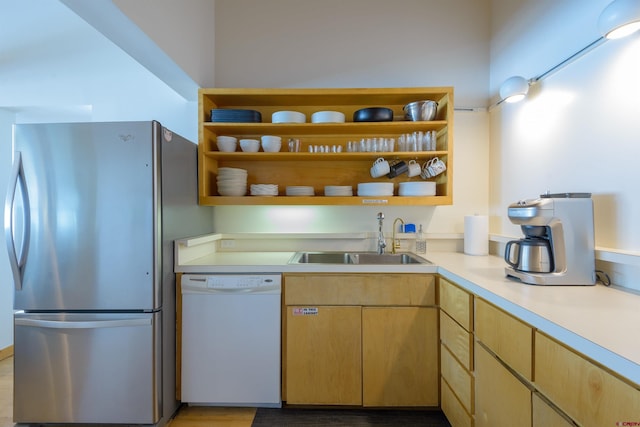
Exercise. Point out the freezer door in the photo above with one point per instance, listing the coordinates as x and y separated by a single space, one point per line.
87 368
82 217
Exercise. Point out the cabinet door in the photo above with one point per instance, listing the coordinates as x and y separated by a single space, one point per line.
323 364
400 356
545 416
586 392
501 399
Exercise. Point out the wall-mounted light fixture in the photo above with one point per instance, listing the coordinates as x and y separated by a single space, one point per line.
514 89
619 19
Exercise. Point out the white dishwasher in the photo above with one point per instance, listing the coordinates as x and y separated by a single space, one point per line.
231 339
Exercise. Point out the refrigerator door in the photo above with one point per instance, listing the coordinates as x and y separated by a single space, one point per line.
82 217
73 368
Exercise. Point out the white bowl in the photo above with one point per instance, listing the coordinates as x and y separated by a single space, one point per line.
250 145
227 143
327 117
368 189
417 188
288 117
271 143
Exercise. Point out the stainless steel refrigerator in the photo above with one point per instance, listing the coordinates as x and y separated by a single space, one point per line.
91 213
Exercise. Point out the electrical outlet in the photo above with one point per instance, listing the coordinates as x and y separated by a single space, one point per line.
227 244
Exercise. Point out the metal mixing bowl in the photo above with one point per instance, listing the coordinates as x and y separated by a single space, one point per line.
420 110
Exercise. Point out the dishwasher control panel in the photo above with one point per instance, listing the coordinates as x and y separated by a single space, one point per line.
232 281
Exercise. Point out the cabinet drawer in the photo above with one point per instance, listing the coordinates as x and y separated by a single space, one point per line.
360 289
457 377
587 393
453 409
457 302
506 336
501 398
457 340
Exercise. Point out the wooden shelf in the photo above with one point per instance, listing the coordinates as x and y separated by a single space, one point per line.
319 169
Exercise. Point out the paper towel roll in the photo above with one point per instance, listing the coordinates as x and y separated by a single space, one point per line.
476 235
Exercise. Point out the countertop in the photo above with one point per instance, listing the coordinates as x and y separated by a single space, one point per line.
598 321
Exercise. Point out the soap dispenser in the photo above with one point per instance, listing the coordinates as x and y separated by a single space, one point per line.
421 242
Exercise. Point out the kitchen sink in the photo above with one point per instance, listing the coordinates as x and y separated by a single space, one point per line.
368 258
321 258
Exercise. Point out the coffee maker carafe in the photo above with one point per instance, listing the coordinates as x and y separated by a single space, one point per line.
558 243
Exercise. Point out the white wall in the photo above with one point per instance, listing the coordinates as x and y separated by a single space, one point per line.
363 43
578 131
6 284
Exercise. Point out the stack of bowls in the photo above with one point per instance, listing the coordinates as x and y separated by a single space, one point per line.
271 144
288 117
250 145
327 117
232 182
370 189
417 188
226 143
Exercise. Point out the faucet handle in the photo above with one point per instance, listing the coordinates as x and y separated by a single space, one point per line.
380 216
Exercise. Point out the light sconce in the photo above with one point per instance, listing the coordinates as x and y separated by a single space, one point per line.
619 19
514 89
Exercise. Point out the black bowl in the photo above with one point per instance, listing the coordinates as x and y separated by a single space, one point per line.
373 114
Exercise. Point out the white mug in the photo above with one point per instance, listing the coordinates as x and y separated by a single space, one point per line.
437 167
414 169
380 168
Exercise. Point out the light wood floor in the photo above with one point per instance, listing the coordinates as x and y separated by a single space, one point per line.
196 416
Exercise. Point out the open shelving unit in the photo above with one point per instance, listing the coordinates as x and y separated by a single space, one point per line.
286 168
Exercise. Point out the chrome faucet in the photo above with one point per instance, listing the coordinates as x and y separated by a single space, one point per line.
381 242
395 243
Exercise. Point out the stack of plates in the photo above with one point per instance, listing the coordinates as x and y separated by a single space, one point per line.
372 189
264 189
338 190
232 182
229 115
300 190
417 188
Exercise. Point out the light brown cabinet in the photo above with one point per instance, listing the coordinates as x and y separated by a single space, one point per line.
456 354
286 168
360 339
502 400
583 390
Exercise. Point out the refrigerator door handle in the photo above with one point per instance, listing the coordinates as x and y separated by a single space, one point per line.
56 324
17 260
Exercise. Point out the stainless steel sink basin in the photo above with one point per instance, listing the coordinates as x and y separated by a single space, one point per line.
321 258
363 258
374 258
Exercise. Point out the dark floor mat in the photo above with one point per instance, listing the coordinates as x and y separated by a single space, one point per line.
298 417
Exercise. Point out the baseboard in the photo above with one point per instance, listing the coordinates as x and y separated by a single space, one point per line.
6 352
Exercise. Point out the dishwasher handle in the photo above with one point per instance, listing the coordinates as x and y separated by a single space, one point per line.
260 290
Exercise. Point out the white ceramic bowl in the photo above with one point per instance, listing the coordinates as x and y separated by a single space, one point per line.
250 145
227 143
271 143
375 189
327 117
288 117
417 188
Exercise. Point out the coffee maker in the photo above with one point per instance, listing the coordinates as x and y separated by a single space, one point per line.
558 246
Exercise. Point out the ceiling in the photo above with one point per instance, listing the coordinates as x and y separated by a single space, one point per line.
70 53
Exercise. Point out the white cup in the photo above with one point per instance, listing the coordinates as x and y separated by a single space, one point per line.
414 168
436 167
380 168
